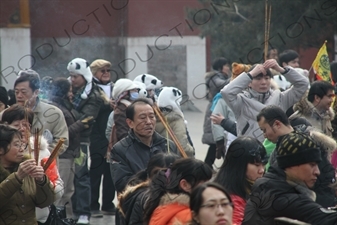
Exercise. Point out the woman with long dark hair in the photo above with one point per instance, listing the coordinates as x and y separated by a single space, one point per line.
170 190
243 165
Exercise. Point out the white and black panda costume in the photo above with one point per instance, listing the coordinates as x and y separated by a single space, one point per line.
151 83
169 103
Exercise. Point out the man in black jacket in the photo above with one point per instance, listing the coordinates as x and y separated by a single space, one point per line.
285 190
274 123
132 153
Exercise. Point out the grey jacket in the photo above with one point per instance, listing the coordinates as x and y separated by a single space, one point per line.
215 81
222 108
247 103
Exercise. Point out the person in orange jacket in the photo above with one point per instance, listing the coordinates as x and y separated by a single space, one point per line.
170 190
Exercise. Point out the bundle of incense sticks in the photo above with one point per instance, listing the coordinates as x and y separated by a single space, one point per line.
169 130
27 132
54 154
36 146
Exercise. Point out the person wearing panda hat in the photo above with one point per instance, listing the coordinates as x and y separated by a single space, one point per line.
151 83
87 100
169 103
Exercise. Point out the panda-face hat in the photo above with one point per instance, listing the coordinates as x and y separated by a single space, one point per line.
81 66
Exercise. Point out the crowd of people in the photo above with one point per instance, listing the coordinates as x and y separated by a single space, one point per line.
274 129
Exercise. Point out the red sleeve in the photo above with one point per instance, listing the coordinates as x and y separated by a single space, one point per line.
239 209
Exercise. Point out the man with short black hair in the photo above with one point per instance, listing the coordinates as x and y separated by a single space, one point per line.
285 190
47 118
316 108
289 58
132 153
274 123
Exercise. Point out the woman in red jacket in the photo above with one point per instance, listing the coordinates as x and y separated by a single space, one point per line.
244 164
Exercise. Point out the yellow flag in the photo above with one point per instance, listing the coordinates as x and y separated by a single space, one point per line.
321 65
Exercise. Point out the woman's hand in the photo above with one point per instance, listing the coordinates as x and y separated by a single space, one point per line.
217 118
25 168
38 174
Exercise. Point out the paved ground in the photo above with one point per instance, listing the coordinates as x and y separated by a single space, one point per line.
195 125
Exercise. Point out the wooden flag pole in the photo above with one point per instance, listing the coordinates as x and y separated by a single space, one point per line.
267 18
169 130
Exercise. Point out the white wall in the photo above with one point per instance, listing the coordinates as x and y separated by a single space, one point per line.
196 58
15 54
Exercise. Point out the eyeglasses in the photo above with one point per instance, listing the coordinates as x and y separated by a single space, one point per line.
213 206
105 71
21 145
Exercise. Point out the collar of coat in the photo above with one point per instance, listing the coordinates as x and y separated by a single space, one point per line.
97 81
156 138
5 173
168 198
309 110
128 191
261 97
276 173
300 187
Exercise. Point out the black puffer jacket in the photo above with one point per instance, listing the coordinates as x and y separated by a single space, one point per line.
130 155
274 196
131 203
325 194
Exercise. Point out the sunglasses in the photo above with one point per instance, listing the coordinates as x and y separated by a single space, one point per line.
106 71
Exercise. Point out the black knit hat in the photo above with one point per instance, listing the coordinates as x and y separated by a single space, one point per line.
297 148
3 96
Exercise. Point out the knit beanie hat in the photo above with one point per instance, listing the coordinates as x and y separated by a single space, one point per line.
98 64
297 148
81 67
122 85
3 96
238 68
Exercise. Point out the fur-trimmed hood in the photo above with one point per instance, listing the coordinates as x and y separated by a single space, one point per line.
320 121
307 109
173 209
127 193
326 142
182 199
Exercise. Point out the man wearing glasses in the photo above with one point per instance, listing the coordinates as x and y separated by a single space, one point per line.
316 107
